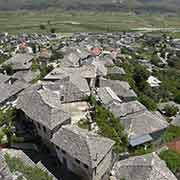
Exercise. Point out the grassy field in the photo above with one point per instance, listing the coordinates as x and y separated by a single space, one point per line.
30 21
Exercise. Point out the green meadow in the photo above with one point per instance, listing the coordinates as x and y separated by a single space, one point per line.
82 21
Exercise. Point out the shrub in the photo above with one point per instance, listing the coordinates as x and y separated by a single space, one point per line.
52 30
8 68
42 27
155 60
170 110
111 127
141 149
148 102
35 67
177 97
92 100
140 74
83 123
45 70
172 159
171 133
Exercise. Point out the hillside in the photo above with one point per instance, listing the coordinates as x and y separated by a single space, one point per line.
108 5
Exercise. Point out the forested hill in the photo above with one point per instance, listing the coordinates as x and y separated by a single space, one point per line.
104 5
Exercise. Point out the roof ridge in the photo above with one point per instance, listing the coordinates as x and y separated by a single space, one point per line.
89 152
160 172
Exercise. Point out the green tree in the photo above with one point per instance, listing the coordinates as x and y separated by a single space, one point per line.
52 30
174 62
148 102
57 55
111 127
170 110
172 159
177 97
42 27
171 133
155 60
33 48
140 74
45 70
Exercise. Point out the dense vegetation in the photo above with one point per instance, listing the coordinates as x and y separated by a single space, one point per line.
172 159
171 133
137 76
111 127
7 118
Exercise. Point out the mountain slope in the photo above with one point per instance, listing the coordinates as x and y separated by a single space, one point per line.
136 5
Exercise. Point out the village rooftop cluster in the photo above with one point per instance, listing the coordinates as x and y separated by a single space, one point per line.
97 103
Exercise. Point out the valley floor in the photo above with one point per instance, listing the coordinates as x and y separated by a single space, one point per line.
63 21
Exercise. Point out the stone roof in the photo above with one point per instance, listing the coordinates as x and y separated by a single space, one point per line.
126 108
121 88
26 160
85 146
68 90
116 70
8 90
70 60
80 82
107 60
107 96
26 76
145 167
101 70
86 71
20 61
76 76
141 123
83 53
5 173
45 54
42 105
4 78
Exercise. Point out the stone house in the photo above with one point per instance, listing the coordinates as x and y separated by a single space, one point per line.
42 108
10 88
121 88
86 154
144 167
107 96
116 72
20 62
142 127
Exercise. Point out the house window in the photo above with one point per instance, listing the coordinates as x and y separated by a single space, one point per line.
44 129
39 127
86 166
57 147
77 161
62 98
95 171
